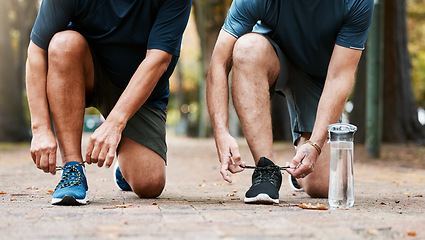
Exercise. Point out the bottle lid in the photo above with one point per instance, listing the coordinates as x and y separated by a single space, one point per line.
341 132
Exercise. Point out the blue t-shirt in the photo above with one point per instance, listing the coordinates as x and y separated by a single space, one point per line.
305 30
119 32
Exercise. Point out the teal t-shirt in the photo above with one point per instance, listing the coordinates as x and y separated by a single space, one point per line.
305 30
119 32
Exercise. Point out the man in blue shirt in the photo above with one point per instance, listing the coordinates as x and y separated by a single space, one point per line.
116 56
306 50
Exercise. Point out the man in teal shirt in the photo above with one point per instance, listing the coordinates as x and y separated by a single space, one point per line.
306 50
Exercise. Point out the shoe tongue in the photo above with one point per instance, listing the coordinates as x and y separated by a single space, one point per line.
74 163
264 162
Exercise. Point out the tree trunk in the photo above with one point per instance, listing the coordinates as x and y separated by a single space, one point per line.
13 127
358 115
401 123
281 123
400 109
209 17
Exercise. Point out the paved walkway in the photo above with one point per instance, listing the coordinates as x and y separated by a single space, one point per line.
198 204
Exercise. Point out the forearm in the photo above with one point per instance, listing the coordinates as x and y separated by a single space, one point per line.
218 98
331 107
338 85
140 87
217 82
36 82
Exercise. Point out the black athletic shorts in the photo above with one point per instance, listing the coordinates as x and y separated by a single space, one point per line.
146 127
302 94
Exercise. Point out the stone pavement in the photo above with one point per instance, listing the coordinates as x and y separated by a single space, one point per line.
198 204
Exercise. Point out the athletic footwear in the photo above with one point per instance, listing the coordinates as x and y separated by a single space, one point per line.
266 181
119 179
294 183
72 188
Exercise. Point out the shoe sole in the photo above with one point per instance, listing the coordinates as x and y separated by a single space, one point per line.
69 200
261 198
115 176
292 185
116 165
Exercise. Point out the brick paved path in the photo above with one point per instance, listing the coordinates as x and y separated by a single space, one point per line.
198 204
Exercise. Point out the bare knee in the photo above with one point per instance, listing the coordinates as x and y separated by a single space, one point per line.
255 58
65 45
316 184
143 168
316 190
249 48
148 188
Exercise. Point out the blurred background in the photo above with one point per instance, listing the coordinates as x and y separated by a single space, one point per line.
397 51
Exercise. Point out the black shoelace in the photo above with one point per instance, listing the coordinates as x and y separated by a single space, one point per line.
267 173
259 168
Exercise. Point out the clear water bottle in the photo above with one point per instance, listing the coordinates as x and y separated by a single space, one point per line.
341 179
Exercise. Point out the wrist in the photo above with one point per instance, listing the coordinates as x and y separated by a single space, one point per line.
40 128
220 129
117 120
218 133
319 137
315 145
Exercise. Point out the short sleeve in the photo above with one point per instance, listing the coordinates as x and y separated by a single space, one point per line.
353 33
170 23
243 15
54 16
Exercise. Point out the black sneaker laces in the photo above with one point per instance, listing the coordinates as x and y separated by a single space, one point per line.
254 167
267 173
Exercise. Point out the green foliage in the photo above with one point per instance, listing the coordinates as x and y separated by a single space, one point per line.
416 33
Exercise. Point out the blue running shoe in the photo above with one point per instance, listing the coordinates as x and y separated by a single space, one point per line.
119 179
72 188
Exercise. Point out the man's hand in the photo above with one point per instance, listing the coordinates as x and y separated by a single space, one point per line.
103 144
43 151
229 156
303 162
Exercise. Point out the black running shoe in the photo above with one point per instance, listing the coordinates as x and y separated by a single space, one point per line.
266 181
294 183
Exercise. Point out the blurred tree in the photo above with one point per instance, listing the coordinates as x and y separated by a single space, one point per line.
358 115
416 32
401 123
281 123
16 19
209 17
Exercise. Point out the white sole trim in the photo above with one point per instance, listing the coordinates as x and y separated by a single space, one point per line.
116 165
70 200
261 198
292 185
